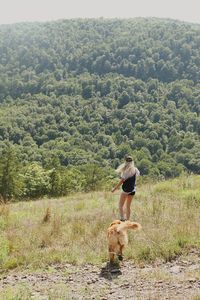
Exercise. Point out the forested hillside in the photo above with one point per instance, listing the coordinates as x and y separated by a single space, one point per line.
80 93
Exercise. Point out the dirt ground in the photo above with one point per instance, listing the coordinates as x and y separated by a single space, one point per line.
179 279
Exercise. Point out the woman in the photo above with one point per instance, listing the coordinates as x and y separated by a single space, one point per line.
128 173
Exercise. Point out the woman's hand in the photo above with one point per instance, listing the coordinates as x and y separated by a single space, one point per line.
118 185
113 190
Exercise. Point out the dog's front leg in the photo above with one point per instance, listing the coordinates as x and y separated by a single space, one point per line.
120 255
111 254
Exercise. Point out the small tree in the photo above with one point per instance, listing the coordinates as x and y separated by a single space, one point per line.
95 176
37 181
144 166
9 180
55 183
72 180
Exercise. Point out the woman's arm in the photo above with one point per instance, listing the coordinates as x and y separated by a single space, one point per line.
118 185
137 172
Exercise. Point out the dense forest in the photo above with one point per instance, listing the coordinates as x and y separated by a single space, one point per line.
77 95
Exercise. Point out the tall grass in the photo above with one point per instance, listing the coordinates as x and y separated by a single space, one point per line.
73 229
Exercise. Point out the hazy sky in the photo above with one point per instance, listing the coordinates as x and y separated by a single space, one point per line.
12 11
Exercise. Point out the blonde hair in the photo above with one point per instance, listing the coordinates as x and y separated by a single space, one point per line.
127 167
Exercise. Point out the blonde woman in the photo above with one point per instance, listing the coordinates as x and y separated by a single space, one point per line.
128 173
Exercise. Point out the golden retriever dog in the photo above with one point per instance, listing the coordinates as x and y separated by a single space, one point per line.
118 237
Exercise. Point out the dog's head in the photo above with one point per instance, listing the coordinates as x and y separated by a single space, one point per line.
115 222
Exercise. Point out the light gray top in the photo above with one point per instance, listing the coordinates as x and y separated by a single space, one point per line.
126 175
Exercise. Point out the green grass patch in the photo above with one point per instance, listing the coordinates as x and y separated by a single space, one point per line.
20 292
73 229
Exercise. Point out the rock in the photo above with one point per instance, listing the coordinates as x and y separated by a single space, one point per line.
193 267
115 270
175 269
188 286
192 279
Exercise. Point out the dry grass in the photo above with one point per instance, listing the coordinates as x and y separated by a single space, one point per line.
20 292
73 229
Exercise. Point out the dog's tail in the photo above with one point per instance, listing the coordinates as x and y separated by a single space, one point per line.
128 225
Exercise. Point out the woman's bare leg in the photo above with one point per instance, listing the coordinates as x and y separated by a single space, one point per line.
121 205
129 199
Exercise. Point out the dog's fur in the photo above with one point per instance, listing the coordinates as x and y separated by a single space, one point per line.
118 238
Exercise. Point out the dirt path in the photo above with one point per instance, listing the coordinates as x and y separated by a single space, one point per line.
179 279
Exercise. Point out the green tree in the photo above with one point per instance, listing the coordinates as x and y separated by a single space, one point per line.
37 181
144 166
72 180
95 176
10 183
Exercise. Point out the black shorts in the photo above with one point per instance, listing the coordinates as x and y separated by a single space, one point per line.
131 193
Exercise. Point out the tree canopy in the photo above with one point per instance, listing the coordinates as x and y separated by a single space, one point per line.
92 90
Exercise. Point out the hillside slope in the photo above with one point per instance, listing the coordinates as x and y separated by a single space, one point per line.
57 248
95 90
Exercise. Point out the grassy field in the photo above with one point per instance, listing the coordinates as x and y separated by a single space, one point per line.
35 234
